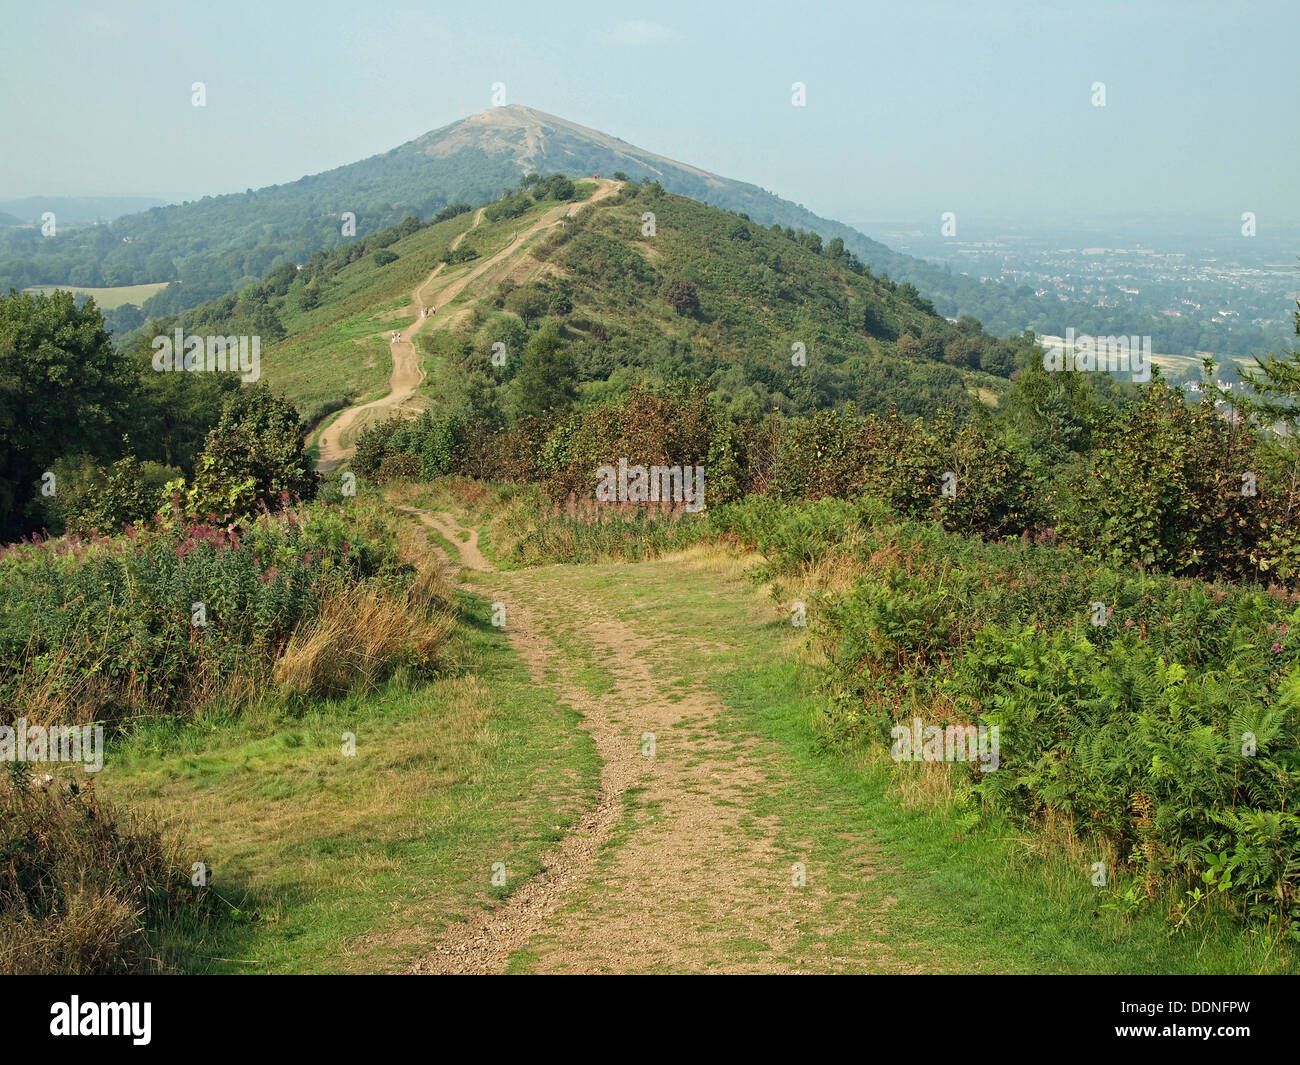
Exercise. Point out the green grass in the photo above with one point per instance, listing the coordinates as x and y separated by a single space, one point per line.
340 348
997 898
355 863
108 299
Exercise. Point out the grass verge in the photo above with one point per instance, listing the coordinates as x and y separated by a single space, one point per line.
337 863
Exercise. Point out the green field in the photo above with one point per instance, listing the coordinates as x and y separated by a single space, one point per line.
108 298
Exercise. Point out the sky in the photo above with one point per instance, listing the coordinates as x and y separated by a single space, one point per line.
910 106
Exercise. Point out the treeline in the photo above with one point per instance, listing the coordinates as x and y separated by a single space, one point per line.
1154 482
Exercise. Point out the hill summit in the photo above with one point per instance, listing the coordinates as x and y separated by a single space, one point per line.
218 244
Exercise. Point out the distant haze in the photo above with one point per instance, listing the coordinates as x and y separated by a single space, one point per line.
912 109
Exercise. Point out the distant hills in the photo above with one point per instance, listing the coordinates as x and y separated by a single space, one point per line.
219 244
764 320
72 210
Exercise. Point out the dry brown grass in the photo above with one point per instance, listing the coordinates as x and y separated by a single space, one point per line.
924 785
77 880
74 688
75 693
361 635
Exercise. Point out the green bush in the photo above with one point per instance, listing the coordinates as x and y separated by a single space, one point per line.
253 460
110 628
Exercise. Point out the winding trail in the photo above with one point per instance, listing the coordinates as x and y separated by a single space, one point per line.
680 866
338 439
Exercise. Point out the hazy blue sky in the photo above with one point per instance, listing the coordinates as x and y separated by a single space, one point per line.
924 106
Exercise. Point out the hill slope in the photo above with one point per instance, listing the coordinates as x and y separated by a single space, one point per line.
700 297
221 243
218 243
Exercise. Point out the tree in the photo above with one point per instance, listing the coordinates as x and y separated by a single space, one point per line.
545 381
63 389
1051 414
681 294
1276 381
253 458
932 341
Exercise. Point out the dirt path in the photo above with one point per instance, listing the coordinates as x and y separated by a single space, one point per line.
676 869
402 383
337 440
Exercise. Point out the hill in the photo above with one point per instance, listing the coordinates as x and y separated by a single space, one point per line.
218 244
211 246
639 286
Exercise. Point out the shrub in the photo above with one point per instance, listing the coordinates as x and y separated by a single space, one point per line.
82 885
555 187
103 630
253 459
681 295
1165 488
400 465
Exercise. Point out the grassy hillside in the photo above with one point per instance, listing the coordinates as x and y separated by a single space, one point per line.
339 349
701 296
220 243
749 303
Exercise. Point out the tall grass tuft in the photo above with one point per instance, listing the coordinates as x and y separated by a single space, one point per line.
81 883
